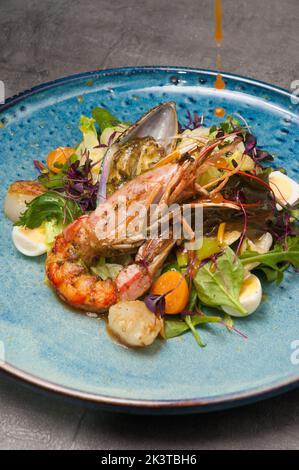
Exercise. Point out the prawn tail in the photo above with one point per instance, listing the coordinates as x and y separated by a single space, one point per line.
73 282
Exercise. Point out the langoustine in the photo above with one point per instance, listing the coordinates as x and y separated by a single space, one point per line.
172 180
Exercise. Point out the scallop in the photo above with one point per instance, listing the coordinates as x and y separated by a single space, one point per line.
133 324
18 194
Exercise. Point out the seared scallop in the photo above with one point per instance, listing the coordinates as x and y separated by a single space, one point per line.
133 324
18 194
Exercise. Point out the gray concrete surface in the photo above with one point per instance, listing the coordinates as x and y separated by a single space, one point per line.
44 39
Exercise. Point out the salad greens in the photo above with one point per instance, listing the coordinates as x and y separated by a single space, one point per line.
175 328
104 118
90 137
49 206
275 262
219 283
217 277
52 229
189 319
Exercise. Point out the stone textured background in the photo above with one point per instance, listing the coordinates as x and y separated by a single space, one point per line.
41 40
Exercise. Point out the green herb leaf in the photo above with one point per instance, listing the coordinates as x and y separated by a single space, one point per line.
48 206
213 129
276 261
104 118
230 124
175 328
90 139
51 180
221 286
273 275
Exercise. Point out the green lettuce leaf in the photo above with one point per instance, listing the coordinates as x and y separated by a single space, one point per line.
104 118
90 136
221 286
106 270
89 131
52 229
111 134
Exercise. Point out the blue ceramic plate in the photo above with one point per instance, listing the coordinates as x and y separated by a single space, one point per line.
48 344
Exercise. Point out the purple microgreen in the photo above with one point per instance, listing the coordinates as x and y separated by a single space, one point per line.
194 121
250 143
156 302
220 133
258 155
74 181
111 139
100 146
212 258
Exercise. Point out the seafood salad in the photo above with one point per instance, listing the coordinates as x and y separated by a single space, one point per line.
160 227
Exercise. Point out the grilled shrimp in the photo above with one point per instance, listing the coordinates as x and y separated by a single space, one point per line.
74 284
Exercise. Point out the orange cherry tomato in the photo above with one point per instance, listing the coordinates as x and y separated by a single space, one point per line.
59 155
176 300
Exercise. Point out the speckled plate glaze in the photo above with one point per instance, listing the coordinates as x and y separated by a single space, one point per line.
50 345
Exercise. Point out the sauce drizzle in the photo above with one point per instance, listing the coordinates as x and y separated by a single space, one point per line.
219 83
